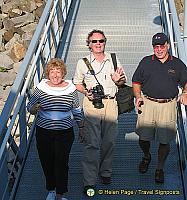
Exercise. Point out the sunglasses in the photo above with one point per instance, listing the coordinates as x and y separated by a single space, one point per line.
100 41
162 46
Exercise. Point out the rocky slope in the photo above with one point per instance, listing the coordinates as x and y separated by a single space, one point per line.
18 21
180 11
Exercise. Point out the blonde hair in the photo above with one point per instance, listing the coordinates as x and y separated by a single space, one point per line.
55 63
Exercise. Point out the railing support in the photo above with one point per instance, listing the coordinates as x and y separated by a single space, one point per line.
185 26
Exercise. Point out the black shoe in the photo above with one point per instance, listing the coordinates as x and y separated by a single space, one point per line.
106 180
144 164
159 176
88 187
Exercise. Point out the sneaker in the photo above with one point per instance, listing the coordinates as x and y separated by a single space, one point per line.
159 176
106 180
144 164
63 198
51 195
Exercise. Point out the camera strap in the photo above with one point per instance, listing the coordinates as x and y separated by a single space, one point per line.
90 69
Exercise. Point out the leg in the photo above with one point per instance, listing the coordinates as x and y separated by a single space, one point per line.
92 132
166 131
163 153
144 164
45 143
145 128
63 143
90 162
145 146
109 134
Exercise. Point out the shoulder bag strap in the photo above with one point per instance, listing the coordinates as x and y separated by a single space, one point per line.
113 56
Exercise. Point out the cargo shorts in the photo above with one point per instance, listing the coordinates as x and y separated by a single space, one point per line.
157 121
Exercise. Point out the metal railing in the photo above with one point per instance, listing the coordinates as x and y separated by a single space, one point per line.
16 124
172 29
54 30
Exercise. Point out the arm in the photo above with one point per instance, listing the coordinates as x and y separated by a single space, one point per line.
119 77
78 115
137 94
84 91
183 96
33 105
79 78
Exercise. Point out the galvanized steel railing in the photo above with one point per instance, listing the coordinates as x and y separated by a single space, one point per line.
172 29
16 125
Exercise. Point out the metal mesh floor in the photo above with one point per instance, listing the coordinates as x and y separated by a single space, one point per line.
129 26
127 183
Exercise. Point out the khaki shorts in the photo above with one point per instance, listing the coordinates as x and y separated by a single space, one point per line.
157 121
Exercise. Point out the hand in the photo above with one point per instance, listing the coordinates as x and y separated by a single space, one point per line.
118 75
183 98
139 102
89 95
34 109
81 135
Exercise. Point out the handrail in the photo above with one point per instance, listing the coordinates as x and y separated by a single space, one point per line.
26 83
172 29
6 112
14 117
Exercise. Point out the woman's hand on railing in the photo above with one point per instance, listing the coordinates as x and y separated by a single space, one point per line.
183 98
34 109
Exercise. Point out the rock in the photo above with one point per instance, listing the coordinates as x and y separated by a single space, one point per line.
6 91
14 13
2 47
1 93
10 43
181 20
8 6
5 61
27 5
18 52
39 11
16 67
3 16
23 20
24 5
29 27
8 24
7 79
8 35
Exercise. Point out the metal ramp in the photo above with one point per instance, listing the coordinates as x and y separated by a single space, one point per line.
129 26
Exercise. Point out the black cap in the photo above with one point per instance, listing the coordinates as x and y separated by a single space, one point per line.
159 38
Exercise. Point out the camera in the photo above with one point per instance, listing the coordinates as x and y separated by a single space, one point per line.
98 94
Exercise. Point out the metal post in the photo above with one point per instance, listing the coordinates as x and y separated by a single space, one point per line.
185 26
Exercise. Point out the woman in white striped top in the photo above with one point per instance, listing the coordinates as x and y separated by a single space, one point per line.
55 100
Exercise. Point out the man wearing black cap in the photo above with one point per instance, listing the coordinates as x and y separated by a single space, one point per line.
155 85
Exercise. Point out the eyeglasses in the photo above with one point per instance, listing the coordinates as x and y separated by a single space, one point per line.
162 46
100 41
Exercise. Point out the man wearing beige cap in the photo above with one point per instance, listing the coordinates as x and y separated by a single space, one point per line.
155 86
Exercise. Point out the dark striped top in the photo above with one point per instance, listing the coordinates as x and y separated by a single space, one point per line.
59 105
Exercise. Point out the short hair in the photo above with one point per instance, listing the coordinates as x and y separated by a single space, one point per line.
55 63
92 32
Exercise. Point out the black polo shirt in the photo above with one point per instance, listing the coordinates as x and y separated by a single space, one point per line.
160 80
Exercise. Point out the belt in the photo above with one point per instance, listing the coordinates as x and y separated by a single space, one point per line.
159 100
108 97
